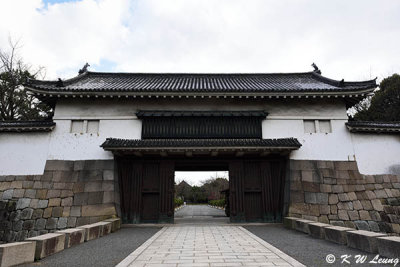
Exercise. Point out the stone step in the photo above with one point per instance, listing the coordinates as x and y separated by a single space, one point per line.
105 227
73 236
48 244
337 234
302 225
318 229
288 222
92 231
116 224
389 246
363 240
17 253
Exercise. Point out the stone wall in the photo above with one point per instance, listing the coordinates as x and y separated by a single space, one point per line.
335 192
68 194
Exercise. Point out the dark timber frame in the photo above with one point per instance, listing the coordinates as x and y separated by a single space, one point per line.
256 185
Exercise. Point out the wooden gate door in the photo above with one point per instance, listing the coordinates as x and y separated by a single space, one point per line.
256 190
147 190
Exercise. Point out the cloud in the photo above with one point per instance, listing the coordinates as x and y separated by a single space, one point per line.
347 39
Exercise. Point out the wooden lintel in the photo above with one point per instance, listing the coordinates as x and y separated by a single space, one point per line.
239 153
265 153
214 153
163 153
138 153
189 154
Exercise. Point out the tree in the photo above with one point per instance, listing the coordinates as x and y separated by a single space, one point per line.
15 102
384 105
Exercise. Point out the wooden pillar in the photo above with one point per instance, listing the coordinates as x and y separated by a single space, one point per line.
167 171
236 194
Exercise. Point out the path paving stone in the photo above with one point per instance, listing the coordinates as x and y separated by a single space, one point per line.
207 246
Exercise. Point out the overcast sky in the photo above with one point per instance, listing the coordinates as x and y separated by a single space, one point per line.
354 40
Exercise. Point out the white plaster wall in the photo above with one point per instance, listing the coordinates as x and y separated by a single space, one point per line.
70 146
316 146
23 153
377 153
117 119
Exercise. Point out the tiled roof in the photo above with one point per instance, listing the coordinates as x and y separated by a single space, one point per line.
169 113
374 126
26 126
90 83
113 143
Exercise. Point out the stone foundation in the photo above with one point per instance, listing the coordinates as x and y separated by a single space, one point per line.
335 192
68 194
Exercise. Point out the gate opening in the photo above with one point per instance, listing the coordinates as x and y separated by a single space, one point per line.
201 197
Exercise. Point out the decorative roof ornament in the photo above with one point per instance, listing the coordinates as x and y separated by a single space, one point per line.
316 69
60 83
84 69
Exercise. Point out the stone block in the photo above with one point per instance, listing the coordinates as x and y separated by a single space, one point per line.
363 240
18 193
381 193
288 222
108 186
67 202
325 188
337 189
66 212
62 223
74 236
57 212
357 205
108 175
337 234
30 193
318 229
350 224
16 184
362 225
53 193
71 222
54 202
116 223
364 215
51 223
389 246
41 193
366 204
59 165
81 199
373 226
48 244
333 199
92 231
90 175
43 203
377 204
108 197
98 210
26 214
95 198
75 211
94 186
343 215
17 253
40 224
105 227
353 214
302 225
310 187
23 203
28 225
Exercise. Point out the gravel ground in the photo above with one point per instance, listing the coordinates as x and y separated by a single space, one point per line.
308 250
106 251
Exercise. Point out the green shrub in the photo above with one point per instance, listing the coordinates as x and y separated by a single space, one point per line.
178 202
217 202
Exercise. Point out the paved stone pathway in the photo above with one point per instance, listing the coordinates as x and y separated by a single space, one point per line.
207 246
